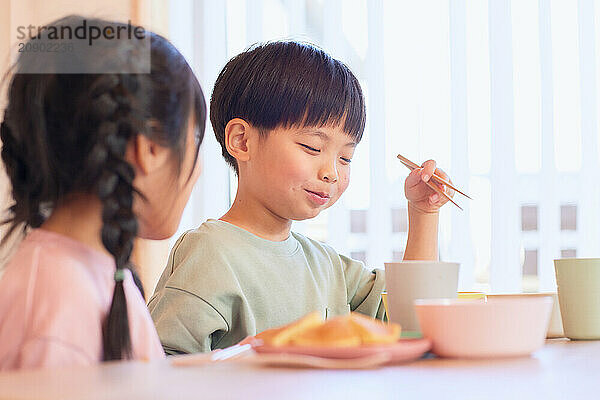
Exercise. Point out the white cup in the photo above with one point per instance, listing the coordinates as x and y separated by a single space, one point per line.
410 280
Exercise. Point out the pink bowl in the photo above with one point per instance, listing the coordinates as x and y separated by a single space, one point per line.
498 327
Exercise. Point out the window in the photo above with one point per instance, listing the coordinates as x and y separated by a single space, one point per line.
399 220
530 265
529 218
359 255
397 255
358 221
568 217
530 282
568 253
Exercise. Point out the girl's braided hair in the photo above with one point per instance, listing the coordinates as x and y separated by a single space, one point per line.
68 133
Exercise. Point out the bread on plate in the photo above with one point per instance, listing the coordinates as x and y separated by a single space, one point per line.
344 331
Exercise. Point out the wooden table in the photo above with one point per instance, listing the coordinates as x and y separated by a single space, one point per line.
560 370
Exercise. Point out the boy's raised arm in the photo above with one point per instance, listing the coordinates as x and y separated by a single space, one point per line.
423 212
422 243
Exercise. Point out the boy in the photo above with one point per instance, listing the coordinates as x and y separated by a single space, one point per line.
288 118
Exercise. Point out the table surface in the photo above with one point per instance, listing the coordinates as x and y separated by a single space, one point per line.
560 370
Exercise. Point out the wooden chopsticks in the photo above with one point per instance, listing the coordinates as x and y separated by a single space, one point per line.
411 165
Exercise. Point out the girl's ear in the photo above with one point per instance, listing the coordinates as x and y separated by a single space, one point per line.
145 155
237 132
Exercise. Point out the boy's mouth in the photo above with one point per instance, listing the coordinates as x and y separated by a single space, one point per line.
320 194
318 198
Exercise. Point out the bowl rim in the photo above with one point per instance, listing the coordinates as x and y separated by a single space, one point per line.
536 294
441 302
422 262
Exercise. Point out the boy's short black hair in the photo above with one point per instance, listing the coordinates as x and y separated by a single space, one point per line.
286 83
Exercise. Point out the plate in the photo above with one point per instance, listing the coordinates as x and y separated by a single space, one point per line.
401 351
302 361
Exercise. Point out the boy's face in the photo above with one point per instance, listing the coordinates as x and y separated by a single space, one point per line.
297 172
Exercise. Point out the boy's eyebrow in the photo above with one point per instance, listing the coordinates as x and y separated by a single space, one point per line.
325 137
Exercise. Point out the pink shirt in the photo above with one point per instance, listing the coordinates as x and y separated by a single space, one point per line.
54 295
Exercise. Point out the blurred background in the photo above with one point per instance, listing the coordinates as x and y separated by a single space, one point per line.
502 94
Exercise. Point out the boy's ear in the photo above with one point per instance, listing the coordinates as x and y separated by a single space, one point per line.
236 139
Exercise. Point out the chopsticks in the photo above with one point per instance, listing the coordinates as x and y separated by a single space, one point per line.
230 353
411 165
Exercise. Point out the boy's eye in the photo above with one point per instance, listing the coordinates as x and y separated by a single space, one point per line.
348 160
310 148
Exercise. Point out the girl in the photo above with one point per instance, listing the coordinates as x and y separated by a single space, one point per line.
94 161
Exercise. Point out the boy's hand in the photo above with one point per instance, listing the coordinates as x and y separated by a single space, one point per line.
421 196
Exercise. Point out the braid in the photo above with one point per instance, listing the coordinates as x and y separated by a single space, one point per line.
115 190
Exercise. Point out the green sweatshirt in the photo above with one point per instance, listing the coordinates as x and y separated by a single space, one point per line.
223 283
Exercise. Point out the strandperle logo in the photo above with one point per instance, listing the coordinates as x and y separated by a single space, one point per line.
76 45
84 31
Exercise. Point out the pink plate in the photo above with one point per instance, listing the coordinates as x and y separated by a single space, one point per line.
402 350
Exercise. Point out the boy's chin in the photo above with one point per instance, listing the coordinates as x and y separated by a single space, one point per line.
307 215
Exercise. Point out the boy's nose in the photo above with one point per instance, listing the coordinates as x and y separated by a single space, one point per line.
328 179
329 174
